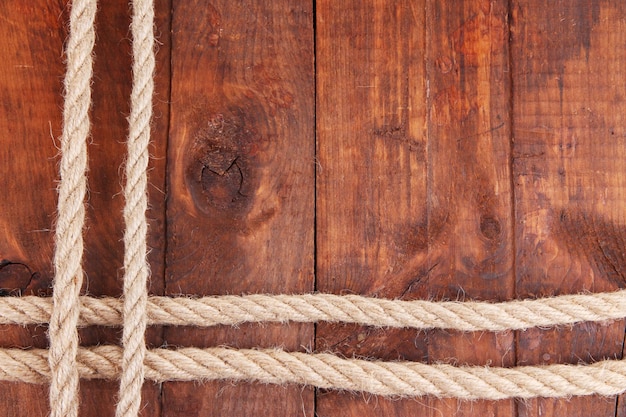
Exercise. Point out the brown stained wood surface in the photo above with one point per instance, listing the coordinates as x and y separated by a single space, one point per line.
414 148
422 165
31 68
470 235
568 171
241 184
372 220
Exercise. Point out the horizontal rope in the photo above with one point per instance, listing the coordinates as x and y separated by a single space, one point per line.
321 370
232 310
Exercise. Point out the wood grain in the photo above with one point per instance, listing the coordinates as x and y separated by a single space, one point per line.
568 172
241 183
469 190
32 68
414 195
371 177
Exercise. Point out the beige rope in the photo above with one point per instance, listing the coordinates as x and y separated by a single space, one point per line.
135 263
402 379
71 211
309 308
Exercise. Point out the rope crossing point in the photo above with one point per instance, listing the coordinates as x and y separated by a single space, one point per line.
65 362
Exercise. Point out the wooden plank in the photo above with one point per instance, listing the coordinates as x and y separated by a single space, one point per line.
569 176
469 192
241 182
468 150
32 91
414 195
371 177
104 250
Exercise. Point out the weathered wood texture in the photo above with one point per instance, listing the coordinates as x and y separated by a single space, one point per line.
568 170
457 149
414 195
33 37
469 188
241 183
372 218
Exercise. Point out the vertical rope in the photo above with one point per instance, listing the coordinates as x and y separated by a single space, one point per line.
135 265
71 212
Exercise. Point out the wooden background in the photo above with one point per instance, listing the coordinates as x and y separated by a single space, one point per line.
413 148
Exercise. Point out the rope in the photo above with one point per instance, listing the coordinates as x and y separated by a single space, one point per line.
312 308
135 264
396 379
71 211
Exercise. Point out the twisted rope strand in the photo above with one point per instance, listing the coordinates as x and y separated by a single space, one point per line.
71 211
135 264
322 370
310 308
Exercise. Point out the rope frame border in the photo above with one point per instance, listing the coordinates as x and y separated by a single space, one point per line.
65 362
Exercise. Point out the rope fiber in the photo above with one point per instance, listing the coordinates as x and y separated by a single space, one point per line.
71 211
321 370
313 308
135 193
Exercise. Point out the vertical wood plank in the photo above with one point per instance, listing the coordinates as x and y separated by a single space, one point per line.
31 89
241 183
470 225
371 179
414 195
30 93
568 95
